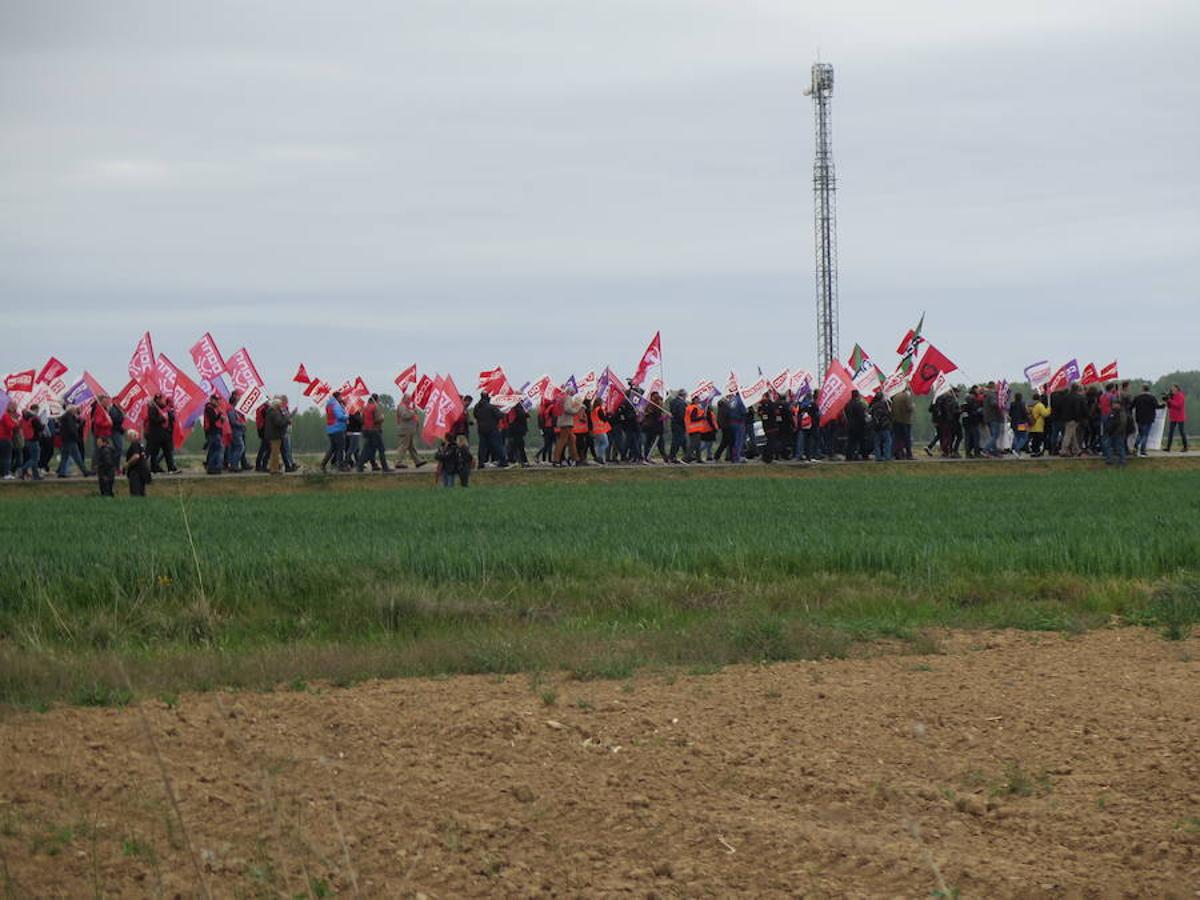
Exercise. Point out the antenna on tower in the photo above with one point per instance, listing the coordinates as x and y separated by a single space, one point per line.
824 219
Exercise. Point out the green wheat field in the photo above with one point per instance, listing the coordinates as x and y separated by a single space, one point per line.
597 573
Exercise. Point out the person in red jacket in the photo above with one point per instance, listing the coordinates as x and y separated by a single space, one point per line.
101 423
8 428
373 436
1176 416
546 424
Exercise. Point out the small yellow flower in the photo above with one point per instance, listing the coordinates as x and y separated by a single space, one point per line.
164 580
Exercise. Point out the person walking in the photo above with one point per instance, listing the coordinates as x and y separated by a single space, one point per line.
1115 437
117 416
881 425
856 428
105 463
454 461
993 419
1074 417
1145 411
408 423
601 429
1176 416
708 437
29 427
235 453
160 434
972 421
137 465
213 417
1018 421
625 422
100 423
737 429
566 408
950 421
1039 419
581 431
70 437
487 420
903 407
696 423
354 431
275 424
654 421
289 416
373 451
518 427
9 430
335 429
677 409
263 455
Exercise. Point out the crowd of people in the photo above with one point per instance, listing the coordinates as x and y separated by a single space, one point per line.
580 431
1104 420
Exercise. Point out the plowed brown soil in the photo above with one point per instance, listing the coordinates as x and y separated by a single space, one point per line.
1013 764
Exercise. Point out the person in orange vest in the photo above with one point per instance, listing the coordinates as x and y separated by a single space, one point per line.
695 421
600 431
581 431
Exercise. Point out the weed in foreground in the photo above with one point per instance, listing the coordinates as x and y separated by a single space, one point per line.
1017 782
1175 606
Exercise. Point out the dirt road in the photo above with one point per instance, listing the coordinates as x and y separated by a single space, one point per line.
1008 765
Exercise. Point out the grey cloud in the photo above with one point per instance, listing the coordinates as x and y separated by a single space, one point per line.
544 184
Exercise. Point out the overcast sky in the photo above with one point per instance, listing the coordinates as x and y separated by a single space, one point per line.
543 184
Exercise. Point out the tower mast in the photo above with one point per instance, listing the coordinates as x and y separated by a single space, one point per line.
824 219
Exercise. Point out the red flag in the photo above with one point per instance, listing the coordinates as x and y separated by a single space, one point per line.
186 396
494 381
242 372
317 391
835 392
1089 375
933 363
610 391
301 376
133 401
94 385
422 392
406 378
20 381
445 407
51 370
143 368
1066 376
652 357
207 358
165 374
1109 372
360 388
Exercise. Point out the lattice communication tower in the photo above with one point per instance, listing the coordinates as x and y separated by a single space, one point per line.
824 219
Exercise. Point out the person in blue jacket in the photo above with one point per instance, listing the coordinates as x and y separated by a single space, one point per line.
335 427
